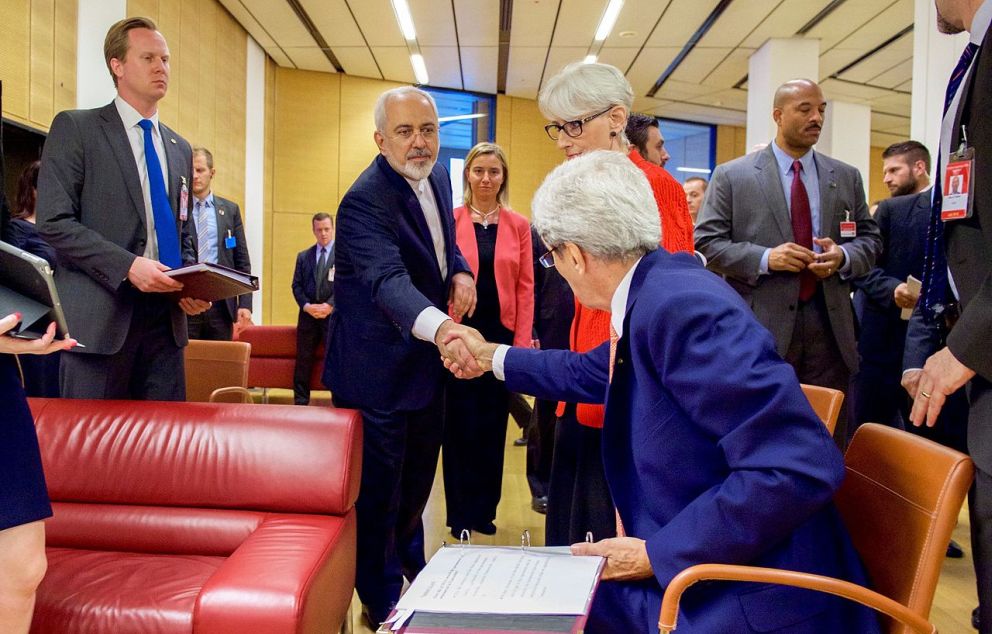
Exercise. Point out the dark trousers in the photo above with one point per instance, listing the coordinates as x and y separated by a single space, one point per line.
814 355
149 366
541 446
579 499
41 374
310 333
213 324
877 396
475 420
399 458
980 515
520 411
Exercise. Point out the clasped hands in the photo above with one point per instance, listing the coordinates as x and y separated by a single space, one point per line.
794 258
464 351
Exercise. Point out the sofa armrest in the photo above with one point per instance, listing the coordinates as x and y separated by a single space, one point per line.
294 574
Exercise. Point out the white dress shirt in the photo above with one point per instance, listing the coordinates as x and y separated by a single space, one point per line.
427 323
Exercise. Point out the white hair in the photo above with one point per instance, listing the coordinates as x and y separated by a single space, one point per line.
602 203
580 89
383 100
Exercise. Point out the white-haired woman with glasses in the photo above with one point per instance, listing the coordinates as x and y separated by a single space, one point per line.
588 106
496 242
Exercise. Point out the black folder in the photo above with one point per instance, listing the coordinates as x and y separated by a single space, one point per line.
212 282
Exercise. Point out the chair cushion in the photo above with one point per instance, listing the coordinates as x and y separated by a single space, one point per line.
104 591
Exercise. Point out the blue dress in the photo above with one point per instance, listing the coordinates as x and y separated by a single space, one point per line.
23 494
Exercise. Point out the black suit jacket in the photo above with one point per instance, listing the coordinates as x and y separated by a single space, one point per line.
305 277
228 217
386 274
554 302
903 224
92 211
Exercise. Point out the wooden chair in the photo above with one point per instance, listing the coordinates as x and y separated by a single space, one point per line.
217 371
826 403
899 501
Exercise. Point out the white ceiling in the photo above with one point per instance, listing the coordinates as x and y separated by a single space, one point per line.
460 42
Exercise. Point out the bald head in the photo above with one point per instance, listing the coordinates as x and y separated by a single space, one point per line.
798 111
793 89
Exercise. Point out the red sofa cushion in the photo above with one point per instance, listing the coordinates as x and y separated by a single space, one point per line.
273 357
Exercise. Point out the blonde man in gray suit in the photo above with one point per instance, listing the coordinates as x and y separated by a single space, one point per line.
789 227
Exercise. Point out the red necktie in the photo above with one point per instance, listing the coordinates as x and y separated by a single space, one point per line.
802 228
614 338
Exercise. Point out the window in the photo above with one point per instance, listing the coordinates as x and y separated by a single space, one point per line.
692 147
466 119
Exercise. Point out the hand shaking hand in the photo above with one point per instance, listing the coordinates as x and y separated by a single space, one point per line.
465 352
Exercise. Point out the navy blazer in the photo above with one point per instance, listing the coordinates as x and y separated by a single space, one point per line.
711 452
386 274
903 223
305 277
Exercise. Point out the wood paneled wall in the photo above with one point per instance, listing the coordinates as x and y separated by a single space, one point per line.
529 152
37 59
731 143
877 190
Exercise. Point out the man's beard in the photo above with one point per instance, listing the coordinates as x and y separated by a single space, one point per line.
904 189
414 171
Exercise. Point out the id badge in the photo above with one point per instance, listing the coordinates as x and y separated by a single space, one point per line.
957 185
184 200
330 274
230 241
848 228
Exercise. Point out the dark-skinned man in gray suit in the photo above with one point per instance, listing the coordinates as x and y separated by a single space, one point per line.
113 200
771 223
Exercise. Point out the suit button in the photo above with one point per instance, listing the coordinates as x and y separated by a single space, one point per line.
141 244
792 307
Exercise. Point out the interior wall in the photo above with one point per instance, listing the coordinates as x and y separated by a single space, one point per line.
731 143
877 190
37 59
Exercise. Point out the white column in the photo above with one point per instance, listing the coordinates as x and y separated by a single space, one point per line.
255 165
934 57
94 87
776 62
846 135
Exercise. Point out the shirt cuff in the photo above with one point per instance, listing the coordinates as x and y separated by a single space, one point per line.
427 323
763 267
499 357
907 370
845 269
702 258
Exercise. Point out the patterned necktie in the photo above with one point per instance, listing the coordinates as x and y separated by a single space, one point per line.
165 220
934 292
802 228
322 275
202 231
614 338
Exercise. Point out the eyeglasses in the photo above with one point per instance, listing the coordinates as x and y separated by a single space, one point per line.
571 128
548 259
407 133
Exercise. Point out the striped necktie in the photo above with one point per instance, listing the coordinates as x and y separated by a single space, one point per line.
934 293
202 231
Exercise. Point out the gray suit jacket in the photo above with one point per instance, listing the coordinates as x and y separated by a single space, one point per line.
228 219
745 212
92 211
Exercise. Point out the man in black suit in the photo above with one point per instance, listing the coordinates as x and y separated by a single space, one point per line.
880 296
966 243
313 288
113 200
219 237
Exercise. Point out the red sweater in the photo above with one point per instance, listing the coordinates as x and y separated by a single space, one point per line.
591 327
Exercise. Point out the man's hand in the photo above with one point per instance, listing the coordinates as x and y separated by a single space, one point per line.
243 321
146 275
451 340
911 381
480 349
829 260
45 345
626 557
192 306
461 299
942 376
318 311
905 298
790 257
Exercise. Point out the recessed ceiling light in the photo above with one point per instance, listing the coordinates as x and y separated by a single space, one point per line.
627 34
609 19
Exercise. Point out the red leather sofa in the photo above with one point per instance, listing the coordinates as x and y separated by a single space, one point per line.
197 517
273 357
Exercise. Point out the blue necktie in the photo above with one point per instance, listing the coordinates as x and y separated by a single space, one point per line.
934 294
165 221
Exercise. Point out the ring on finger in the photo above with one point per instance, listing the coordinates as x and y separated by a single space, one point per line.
924 394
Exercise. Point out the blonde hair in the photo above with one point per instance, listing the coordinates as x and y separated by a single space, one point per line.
482 149
116 44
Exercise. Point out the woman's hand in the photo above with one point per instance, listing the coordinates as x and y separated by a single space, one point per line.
46 345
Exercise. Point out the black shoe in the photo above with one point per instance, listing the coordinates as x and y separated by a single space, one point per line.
486 529
974 619
520 442
374 618
540 504
954 550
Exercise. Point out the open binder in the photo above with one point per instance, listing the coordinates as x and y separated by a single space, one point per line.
212 282
499 590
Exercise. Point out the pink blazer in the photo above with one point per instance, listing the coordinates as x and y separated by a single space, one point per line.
514 268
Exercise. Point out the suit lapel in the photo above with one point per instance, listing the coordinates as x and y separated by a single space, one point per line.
447 216
177 169
113 127
411 206
623 345
828 194
770 182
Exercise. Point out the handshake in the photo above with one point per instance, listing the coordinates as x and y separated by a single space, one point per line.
464 351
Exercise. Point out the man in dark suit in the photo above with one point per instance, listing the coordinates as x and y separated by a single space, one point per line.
313 288
882 294
397 271
771 223
961 248
710 449
113 200
219 237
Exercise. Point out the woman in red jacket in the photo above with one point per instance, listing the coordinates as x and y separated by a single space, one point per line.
497 245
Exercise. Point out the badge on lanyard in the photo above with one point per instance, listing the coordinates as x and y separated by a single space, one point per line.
230 241
848 228
330 274
183 200
957 183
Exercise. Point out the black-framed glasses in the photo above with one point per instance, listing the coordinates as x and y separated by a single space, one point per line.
548 259
571 128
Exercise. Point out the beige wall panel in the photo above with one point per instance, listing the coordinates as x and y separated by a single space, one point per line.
267 222
876 186
186 47
534 153
291 234
15 47
730 143
306 141
42 61
64 97
143 8
357 147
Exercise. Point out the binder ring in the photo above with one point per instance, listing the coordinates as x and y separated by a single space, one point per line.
525 540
